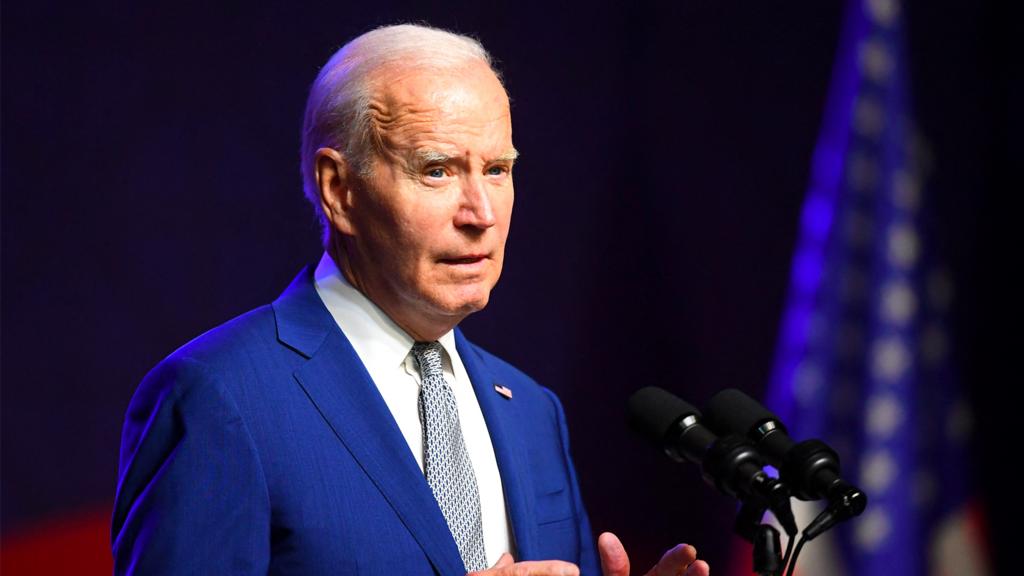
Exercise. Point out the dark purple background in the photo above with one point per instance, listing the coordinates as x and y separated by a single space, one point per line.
151 191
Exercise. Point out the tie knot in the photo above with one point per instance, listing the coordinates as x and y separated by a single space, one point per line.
428 356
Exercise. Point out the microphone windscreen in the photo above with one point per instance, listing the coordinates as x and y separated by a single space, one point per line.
730 411
654 411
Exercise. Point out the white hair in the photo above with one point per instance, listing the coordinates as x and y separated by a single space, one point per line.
338 112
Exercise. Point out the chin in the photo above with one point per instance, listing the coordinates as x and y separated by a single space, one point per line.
467 302
470 306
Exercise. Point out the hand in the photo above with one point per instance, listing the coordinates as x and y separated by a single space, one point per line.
506 566
679 560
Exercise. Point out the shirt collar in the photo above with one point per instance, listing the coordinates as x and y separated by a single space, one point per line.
375 337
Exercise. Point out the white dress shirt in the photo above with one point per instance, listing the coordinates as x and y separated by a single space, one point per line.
386 351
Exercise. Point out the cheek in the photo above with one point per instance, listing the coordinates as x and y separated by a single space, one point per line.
506 199
391 232
413 246
504 210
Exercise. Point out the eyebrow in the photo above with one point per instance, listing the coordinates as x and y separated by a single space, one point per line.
428 156
509 156
432 157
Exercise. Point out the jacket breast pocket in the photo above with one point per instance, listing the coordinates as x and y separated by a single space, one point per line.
554 504
558 534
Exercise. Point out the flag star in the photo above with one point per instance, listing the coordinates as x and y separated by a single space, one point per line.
883 12
868 117
875 60
898 302
903 246
889 359
884 415
878 470
873 528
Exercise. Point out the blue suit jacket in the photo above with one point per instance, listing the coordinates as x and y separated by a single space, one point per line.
263 446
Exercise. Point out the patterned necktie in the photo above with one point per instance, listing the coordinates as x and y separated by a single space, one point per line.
446 462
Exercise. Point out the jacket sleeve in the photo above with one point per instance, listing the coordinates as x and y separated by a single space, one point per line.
191 496
589 563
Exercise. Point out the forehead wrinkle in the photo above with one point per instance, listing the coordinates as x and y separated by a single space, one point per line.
388 123
390 105
405 121
390 118
420 142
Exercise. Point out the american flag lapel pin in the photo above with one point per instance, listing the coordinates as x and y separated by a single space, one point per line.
503 390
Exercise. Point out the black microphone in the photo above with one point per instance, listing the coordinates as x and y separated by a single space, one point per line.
810 468
729 463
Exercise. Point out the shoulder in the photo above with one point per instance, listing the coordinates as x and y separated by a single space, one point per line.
200 369
239 347
247 362
223 345
220 346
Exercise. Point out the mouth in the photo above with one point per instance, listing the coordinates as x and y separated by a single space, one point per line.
471 263
464 260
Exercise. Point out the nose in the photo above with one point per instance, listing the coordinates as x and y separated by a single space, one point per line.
475 207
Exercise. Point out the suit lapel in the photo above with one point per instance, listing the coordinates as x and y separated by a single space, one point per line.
507 437
338 384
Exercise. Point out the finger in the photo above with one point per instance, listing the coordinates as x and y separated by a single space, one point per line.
614 561
675 561
505 560
698 568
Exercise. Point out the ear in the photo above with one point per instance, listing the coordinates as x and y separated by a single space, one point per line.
335 180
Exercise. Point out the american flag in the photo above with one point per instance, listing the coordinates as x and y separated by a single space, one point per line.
864 358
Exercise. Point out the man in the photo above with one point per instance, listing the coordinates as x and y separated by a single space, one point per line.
350 427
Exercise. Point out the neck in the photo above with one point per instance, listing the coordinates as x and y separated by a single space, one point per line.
419 327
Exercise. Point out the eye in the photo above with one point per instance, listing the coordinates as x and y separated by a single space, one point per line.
435 172
497 170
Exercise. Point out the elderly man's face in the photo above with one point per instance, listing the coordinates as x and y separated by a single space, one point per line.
428 226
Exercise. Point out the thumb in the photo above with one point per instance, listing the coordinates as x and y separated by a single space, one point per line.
505 561
614 561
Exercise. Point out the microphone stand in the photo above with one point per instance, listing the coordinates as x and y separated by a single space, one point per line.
767 560
767 557
732 458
